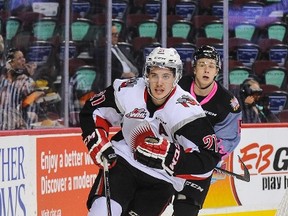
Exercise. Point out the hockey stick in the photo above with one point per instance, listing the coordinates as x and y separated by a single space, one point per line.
107 186
245 177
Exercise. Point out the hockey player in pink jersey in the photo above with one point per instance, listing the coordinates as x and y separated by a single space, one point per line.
224 113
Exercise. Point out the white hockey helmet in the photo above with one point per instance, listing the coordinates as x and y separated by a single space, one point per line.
165 58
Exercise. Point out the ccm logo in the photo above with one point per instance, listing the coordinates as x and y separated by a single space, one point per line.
175 157
89 137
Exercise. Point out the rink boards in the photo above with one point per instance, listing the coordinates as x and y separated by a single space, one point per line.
48 172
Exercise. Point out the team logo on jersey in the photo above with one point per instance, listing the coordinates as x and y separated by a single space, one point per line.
139 133
129 83
137 113
234 103
185 100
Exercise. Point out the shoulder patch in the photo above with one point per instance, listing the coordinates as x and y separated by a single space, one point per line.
128 83
185 100
234 103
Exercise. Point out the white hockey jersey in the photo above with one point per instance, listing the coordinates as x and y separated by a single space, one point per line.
180 120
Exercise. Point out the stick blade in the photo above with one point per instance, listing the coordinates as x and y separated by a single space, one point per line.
246 175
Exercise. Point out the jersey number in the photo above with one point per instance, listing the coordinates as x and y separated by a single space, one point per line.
98 98
210 142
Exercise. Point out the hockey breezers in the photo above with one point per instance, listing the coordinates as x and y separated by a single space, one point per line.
245 177
107 186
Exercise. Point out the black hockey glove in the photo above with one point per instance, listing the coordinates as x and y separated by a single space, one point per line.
101 148
159 153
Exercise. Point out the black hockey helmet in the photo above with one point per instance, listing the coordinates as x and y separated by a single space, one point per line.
209 52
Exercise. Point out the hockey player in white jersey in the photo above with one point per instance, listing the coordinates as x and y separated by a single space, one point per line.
165 138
